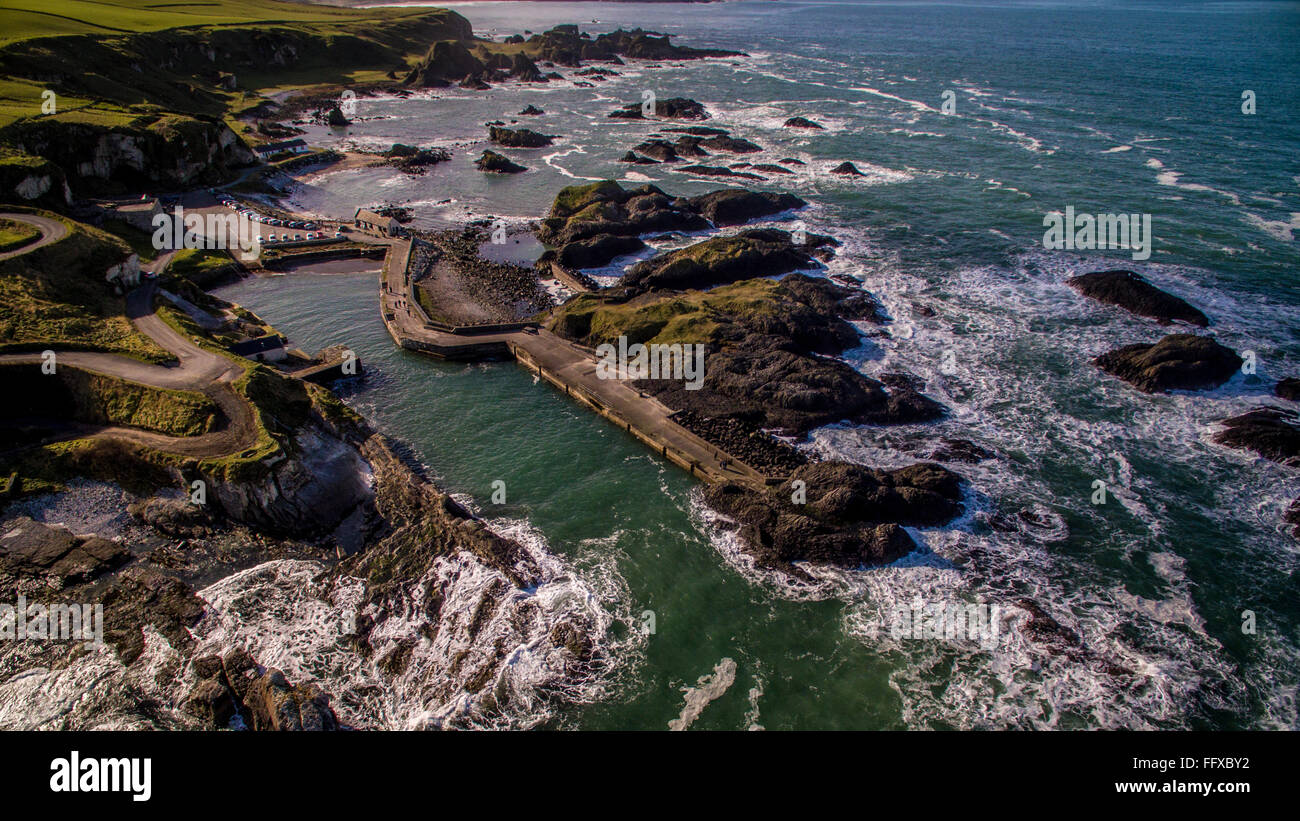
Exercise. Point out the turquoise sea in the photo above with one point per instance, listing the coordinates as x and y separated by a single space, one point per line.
1106 106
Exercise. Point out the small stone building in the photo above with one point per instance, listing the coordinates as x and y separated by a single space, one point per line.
372 223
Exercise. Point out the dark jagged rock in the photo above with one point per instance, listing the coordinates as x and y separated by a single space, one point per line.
637 159
531 111
1273 433
734 145
144 595
597 251
1292 517
596 73
525 70
698 130
850 515
413 160
771 168
734 206
1133 293
475 83
518 138
447 62
717 171
847 169
719 260
801 122
959 450
676 108
264 700
53 555
658 150
336 118
745 441
495 163
1177 362
792 161
584 211
1288 389
762 338
174 517
690 146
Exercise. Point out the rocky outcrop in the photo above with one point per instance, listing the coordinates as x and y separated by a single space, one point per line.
1273 433
847 169
840 514
262 699
585 211
1288 388
531 111
719 260
718 171
175 152
1135 294
801 122
1178 362
306 493
598 251
736 206
674 108
518 138
566 46
53 556
637 159
496 163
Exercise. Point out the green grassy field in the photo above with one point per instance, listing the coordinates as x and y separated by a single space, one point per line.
23 19
14 235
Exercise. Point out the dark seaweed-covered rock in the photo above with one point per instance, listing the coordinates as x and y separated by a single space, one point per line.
1273 433
698 130
336 118
518 138
1288 388
717 171
792 161
1133 293
734 145
597 251
659 150
735 206
801 122
143 595
1292 517
847 169
840 514
531 111
637 159
718 260
770 168
495 163
1177 362
676 108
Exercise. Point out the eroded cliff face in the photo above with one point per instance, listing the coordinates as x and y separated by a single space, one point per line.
149 151
306 494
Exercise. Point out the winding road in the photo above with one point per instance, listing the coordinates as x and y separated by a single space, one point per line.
196 369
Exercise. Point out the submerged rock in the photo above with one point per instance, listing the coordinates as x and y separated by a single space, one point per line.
1133 293
717 171
1177 362
847 169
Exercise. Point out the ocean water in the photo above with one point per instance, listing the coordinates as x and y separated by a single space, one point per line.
1109 107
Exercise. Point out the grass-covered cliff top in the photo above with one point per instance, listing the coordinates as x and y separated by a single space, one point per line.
56 297
113 61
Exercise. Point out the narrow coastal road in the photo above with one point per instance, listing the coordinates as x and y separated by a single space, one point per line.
51 231
196 370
